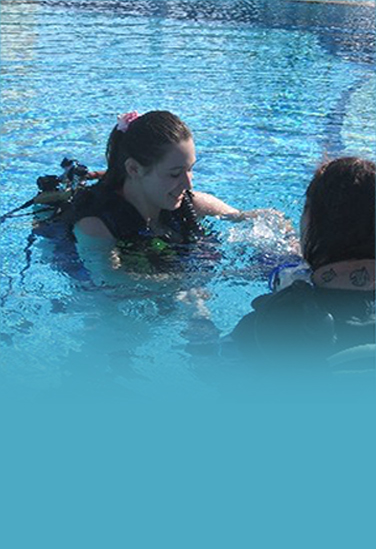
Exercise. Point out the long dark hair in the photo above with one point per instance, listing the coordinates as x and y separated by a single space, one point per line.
146 140
340 202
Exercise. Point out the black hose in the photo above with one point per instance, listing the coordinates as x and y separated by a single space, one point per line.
192 226
9 214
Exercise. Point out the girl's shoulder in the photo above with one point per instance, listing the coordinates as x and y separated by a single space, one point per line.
106 215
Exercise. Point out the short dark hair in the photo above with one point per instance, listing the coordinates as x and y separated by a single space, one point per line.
146 140
340 201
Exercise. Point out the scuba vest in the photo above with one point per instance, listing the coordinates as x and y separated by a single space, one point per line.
124 222
137 248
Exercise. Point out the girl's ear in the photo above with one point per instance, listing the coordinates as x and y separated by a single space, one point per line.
132 167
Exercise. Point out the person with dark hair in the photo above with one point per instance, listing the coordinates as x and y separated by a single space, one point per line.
309 321
147 188
144 207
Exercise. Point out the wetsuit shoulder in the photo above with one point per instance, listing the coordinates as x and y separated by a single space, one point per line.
118 215
121 218
304 319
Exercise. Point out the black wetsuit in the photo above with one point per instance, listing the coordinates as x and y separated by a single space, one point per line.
124 222
304 324
141 250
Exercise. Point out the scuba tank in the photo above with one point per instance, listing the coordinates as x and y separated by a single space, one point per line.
56 192
54 189
54 199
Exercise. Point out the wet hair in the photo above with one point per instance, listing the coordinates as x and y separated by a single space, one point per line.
146 140
340 202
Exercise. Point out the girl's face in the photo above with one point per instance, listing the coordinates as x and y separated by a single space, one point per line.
163 186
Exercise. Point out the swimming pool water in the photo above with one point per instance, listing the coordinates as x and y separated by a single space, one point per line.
269 89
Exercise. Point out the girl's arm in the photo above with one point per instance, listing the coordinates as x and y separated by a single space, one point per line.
207 204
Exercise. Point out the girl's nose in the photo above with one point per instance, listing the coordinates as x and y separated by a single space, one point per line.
187 180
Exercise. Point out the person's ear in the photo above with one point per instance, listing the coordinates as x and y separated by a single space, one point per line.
133 168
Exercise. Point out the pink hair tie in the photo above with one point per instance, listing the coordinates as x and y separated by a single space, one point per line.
125 119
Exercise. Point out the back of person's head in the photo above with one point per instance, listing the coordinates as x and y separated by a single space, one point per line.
340 209
145 138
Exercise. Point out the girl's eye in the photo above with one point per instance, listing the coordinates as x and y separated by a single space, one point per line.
175 175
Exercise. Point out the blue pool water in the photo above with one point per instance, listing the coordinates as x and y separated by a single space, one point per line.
269 88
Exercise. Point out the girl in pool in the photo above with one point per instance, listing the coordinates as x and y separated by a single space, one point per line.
143 211
145 202
147 188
